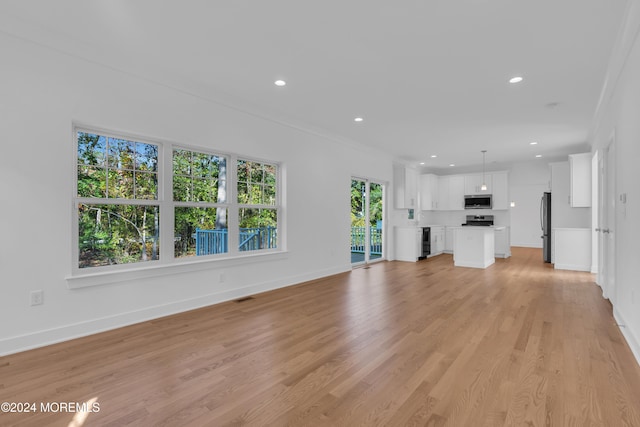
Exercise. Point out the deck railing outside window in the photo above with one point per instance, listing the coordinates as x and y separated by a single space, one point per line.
209 242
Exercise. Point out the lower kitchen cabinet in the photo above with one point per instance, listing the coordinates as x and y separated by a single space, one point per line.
448 240
408 243
503 242
437 240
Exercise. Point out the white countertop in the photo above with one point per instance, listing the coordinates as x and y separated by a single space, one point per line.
419 226
489 227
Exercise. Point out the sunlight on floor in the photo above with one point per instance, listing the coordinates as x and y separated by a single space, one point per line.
81 416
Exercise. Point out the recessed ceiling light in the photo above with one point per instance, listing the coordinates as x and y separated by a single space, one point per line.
533 143
538 155
516 79
280 83
422 163
433 156
358 119
451 164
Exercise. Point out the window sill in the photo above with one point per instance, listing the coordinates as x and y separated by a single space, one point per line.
103 278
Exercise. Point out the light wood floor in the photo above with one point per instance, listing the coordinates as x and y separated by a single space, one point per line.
397 344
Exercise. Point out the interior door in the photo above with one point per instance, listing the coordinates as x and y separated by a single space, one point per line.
606 223
609 231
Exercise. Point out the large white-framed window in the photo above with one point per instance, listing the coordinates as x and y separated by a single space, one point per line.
144 203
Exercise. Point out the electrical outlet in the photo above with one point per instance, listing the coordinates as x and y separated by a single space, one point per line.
37 297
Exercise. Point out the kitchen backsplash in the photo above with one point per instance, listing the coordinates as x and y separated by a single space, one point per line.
501 218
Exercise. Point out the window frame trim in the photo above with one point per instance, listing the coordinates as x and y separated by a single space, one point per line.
168 263
278 207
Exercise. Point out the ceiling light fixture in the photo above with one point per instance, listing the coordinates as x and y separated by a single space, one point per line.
451 164
422 163
483 187
516 79
433 156
358 119
280 83
538 155
533 143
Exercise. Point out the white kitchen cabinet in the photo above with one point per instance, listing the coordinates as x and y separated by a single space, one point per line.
456 193
437 240
405 186
474 247
473 183
443 193
572 249
450 193
428 192
503 242
448 239
580 180
500 191
408 241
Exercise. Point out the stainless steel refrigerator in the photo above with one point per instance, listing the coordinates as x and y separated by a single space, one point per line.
545 224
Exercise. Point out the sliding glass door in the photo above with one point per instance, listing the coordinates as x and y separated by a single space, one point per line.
367 231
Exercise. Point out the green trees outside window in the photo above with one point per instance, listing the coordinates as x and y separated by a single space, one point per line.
199 190
122 194
257 198
114 176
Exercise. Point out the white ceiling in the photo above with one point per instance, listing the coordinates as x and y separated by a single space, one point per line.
428 76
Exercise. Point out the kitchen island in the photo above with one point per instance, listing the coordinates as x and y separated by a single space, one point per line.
474 246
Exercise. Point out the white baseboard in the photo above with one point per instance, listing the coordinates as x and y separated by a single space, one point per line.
628 334
68 332
479 264
526 245
573 267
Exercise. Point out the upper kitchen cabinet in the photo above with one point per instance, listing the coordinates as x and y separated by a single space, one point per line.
473 184
580 180
500 191
428 192
405 187
456 193
450 193
443 193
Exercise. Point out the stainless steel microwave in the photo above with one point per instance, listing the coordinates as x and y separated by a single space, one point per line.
477 201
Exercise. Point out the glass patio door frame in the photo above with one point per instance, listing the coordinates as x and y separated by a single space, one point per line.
367 218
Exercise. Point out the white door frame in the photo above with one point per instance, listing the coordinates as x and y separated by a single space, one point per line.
595 198
367 216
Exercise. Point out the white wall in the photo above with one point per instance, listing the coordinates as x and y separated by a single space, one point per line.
620 112
527 182
42 92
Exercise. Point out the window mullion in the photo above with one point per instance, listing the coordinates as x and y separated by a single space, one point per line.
232 203
167 206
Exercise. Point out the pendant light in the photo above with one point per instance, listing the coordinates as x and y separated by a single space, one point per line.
484 183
